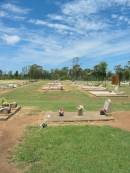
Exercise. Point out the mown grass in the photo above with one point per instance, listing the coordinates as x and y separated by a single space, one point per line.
74 149
32 95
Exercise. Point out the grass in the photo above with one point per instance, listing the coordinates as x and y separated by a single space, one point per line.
31 95
74 149
71 149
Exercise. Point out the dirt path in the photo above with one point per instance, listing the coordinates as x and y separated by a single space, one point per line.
11 132
122 120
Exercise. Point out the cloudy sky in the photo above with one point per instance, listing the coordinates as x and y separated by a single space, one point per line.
52 32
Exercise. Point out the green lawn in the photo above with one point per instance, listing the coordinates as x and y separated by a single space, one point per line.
74 149
31 95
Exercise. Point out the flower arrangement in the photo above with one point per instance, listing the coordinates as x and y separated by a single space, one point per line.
4 102
80 109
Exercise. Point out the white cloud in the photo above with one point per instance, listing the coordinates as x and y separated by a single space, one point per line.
10 39
79 25
57 26
18 18
44 49
121 18
122 2
81 17
88 35
76 7
13 17
50 49
55 17
88 7
3 14
15 9
7 30
13 12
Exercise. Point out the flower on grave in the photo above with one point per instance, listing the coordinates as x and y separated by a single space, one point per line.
4 101
80 107
48 116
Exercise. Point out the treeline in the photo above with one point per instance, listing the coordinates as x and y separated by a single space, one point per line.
98 72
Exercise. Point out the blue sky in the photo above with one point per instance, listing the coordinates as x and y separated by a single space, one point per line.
51 32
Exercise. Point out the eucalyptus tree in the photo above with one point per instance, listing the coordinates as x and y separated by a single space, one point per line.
127 72
100 71
96 72
35 72
1 74
76 72
103 70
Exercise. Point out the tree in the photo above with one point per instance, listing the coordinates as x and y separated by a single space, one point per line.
103 70
64 72
16 74
35 72
100 71
87 74
76 72
126 73
24 73
10 75
1 73
96 72
109 75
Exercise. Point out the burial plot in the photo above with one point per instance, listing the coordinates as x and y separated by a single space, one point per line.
93 88
53 86
74 117
107 94
8 109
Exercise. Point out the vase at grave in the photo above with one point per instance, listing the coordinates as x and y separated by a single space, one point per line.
80 112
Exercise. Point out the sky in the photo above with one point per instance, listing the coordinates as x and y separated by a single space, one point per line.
52 32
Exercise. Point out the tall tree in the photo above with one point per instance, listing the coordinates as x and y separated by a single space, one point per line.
100 71
1 74
16 74
35 72
76 72
103 70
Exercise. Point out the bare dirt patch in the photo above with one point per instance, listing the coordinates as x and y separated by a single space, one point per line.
12 130
3 91
122 120
10 133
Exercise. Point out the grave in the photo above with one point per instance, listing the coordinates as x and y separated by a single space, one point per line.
93 88
74 117
53 86
7 116
107 94
8 85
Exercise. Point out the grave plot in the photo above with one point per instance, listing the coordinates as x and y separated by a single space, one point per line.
93 88
115 93
74 117
7 114
4 85
52 86
8 109
107 94
8 85
125 83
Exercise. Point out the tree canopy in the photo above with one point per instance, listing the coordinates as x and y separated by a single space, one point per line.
99 72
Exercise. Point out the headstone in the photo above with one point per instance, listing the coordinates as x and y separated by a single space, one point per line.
107 106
